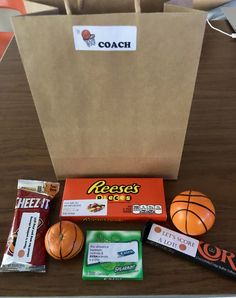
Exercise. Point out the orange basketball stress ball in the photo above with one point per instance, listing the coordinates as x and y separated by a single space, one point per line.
64 240
192 213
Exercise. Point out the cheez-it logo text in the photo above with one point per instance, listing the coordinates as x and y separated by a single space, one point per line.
31 203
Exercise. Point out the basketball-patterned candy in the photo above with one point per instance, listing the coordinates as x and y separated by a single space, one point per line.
192 213
64 240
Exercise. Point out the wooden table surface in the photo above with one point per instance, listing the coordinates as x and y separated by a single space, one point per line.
208 165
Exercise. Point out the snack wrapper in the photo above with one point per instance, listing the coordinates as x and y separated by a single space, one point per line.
25 250
208 255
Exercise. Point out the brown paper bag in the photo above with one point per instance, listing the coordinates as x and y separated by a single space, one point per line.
114 113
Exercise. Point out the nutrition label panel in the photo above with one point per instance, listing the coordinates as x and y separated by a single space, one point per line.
147 209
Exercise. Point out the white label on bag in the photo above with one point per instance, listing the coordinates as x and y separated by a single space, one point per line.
112 252
26 237
105 38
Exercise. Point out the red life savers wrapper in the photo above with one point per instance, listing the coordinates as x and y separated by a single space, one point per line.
197 251
25 250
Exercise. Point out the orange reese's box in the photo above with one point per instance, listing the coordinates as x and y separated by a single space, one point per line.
113 199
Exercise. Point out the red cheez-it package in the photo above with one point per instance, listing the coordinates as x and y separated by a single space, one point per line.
25 250
113 199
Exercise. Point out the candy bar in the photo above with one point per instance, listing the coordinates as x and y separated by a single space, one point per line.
198 251
113 199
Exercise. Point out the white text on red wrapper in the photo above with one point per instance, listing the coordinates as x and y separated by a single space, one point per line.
32 203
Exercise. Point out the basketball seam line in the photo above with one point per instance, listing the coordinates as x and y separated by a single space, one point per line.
55 256
190 212
186 222
200 219
185 195
72 245
50 248
74 254
195 203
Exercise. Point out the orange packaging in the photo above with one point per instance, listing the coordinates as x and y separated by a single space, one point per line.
113 199
6 37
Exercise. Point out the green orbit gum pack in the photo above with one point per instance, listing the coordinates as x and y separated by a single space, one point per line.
113 255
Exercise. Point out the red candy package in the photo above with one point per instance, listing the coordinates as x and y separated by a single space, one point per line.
25 250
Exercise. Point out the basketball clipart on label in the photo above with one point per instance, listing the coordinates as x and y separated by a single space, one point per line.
64 240
192 213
